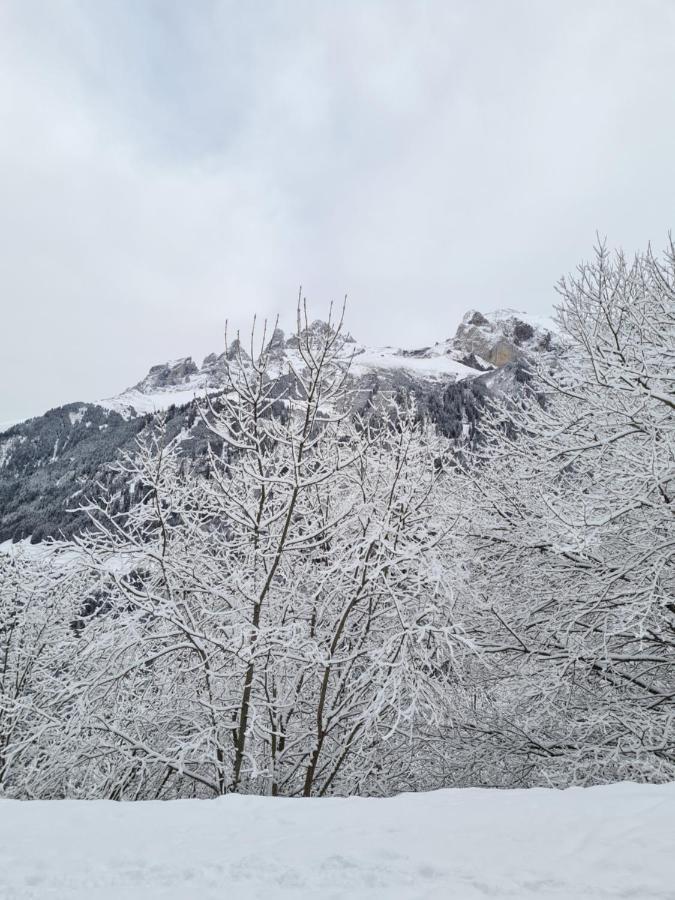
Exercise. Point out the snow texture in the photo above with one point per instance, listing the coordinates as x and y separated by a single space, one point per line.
606 842
434 365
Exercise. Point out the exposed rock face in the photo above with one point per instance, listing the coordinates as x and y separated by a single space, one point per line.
503 337
318 329
168 374
278 340
213 369
522 332
422 353
473 362
501 353
235 349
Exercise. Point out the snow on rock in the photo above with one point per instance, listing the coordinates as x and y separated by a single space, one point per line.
503 335
179 381
169 374
140 402
605 842
430 363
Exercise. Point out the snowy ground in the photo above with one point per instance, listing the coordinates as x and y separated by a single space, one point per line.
616 841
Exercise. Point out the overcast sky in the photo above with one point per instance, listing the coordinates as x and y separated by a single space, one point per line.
167 165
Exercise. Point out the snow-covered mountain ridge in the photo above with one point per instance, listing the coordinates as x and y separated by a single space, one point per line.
481 343
49 462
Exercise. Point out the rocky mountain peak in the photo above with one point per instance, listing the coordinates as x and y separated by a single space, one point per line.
168 374
503 336
278 340
483 341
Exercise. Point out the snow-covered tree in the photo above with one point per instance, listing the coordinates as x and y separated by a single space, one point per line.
569 508
283 622
38 608
332 602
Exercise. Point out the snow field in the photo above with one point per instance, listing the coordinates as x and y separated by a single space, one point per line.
605 842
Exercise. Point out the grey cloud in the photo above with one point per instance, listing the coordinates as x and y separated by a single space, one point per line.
165 165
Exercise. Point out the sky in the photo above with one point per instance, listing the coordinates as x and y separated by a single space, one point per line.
165 166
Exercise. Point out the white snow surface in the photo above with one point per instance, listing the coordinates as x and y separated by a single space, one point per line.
153 401
434 365
603 842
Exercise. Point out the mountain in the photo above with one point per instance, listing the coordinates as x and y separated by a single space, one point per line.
48 463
